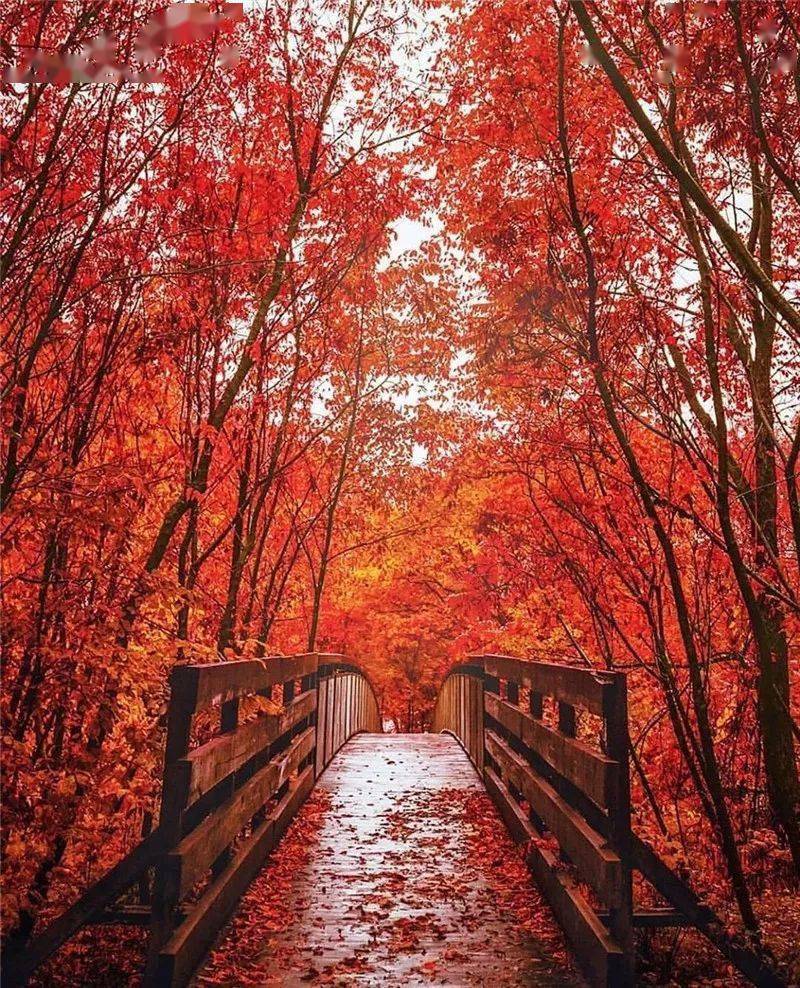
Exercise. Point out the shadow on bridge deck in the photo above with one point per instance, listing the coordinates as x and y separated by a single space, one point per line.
396 872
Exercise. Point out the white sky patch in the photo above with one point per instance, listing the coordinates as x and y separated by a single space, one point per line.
413 54
411 234
419 454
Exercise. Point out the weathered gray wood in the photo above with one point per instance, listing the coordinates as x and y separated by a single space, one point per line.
181 955
460 696
322 724
615 721
209 764
579 687
601 959
193 856
459 710
477 706
336 742
509 808
174 798
198 686
589 770
329 709
596 862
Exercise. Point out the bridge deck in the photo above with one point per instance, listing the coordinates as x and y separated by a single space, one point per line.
396 872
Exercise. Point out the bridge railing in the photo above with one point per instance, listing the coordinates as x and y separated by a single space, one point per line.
551 743
252 776
226 801
346 705
518 722
459 710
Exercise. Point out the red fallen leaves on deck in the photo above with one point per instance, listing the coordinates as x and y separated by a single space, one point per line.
438 867
239 955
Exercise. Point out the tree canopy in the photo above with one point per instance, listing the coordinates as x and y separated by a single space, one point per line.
402 329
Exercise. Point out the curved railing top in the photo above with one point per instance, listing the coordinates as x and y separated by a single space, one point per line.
582 685
200 684
337 662
469 668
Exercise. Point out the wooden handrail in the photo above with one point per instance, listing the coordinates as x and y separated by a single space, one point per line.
524 759
546 780
225 803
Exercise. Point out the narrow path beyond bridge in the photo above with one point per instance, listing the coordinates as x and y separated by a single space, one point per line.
398 883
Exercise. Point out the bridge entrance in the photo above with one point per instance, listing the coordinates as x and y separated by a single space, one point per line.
393 881
248 740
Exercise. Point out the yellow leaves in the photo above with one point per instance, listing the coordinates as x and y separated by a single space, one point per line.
67 787
16 849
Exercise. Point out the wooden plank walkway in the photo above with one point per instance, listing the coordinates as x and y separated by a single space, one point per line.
398 871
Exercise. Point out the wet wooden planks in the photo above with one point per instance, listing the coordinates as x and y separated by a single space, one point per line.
399 888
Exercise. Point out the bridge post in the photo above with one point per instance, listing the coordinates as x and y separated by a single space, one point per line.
320 720
174 800
307 684
615 715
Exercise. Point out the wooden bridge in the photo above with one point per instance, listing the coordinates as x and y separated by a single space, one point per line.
246 742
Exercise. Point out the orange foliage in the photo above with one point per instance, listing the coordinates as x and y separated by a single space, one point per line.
243 416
